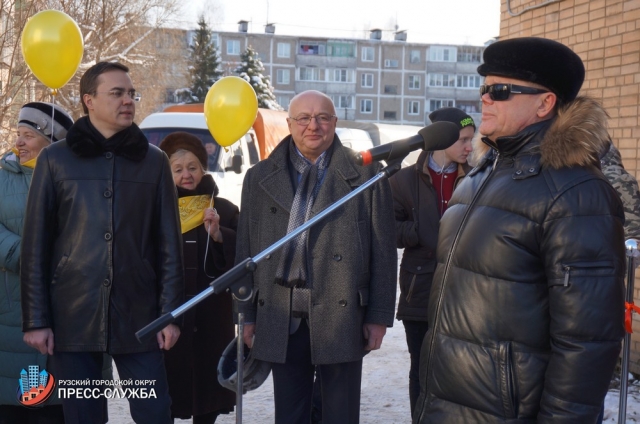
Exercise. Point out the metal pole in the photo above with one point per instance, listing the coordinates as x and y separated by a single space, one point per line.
632 253
240 368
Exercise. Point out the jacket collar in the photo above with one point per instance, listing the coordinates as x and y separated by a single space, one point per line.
340 178
510 146
86 141
206 186
11 163
577 136
463 168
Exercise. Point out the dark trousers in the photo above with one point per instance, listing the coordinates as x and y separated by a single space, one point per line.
134 366
415 332
293 385
14 414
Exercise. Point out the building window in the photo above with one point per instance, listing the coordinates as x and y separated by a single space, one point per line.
283 76
215 40
390 63
414 107
390 89
341 49
469 106
435 104
469 81
366 106
342 102
470 54
233 47
367 80
283 101
311 74
389 115
414 56
284 50
442 54
442 80
367 54
342 75
414 82
312 47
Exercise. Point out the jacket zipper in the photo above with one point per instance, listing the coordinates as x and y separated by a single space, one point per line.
444 277
6 287
567 271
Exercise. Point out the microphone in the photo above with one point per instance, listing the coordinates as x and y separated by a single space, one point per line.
437 136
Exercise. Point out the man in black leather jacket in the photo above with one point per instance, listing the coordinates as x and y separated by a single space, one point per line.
102 253
526 309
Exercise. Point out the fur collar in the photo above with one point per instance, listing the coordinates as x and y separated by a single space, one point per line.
577 136
207 186
86 141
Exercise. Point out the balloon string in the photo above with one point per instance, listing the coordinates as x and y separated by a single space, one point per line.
206 250
53 111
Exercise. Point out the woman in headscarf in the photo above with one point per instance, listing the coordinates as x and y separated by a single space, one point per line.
209 238
39 124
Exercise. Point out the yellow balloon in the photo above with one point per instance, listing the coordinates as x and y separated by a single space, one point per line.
230 108
52 46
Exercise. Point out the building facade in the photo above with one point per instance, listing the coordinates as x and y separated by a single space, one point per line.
369 80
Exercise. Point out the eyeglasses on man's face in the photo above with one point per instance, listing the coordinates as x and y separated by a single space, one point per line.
500 92
117 93
321 119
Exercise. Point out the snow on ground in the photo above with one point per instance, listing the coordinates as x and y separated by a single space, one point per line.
612 401
385 390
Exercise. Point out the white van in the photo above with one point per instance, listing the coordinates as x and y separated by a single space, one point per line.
227 165
353 138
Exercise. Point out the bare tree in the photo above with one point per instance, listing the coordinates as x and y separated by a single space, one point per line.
16 82
131 32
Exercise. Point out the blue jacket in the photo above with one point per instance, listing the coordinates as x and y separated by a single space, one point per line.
14 353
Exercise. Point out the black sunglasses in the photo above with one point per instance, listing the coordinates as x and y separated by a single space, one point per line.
500 92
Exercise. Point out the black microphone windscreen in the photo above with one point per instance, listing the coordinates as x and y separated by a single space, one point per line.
439 135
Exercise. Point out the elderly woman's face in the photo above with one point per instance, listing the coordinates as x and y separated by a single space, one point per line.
186 169
29 143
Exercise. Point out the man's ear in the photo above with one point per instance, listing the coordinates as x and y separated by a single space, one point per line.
88 101
547 105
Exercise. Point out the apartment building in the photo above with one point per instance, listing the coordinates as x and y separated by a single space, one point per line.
369 80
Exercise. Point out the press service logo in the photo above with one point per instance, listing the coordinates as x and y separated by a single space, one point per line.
35 386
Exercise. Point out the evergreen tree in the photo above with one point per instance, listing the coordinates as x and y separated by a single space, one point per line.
250 69
206 66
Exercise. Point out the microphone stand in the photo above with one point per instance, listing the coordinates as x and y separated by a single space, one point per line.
232 278
631 246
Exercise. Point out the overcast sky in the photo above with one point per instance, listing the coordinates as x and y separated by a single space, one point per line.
426 21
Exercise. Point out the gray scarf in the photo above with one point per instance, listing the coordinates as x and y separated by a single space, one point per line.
292 270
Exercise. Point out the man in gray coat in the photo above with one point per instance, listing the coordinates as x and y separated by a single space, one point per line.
326 298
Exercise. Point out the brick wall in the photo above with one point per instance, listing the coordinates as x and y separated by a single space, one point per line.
606 35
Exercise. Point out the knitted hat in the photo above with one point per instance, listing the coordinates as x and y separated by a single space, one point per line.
452 114
183 140
538 60
38 117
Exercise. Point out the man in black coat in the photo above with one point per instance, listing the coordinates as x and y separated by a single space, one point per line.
527 305
101 253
